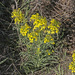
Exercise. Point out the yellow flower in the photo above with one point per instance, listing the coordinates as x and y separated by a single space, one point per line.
48 32
52 50
49 54
52 20
31 40
42 28
38 49
35 39
52 32
53 43
73 55
45 40
46 50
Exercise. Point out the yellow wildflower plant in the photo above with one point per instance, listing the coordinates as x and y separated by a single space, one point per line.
72 64
24 29
36 37
17 15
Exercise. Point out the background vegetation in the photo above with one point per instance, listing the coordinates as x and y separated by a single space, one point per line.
11 48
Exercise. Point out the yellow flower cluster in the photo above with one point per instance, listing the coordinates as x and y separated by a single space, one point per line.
24 29
49 53
39 23
17 15
53 27
72 64
32 36
49 38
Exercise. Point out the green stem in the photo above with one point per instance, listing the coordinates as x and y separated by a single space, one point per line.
39 37
19 36
38 62
39 41
73 73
